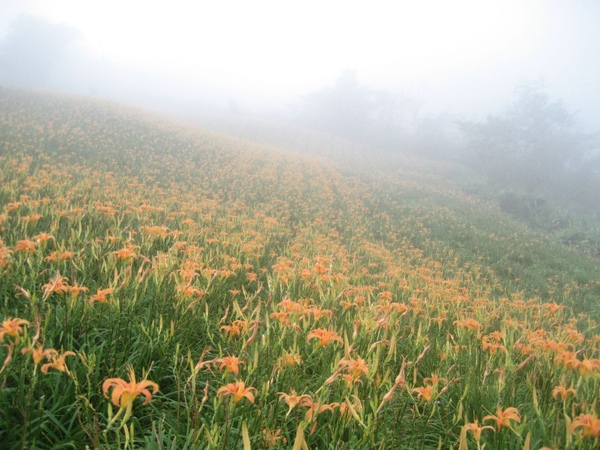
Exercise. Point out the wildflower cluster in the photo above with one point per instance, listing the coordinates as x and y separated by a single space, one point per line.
273 298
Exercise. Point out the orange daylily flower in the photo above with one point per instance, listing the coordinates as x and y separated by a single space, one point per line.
230 364
58 361
231 330
563 392
126 254
496 336
270 437
317 313
574 336
38 353
567 359
469 324
43 237
236 328
26 245
281 316
33 218
57 285
124 393
101 295
325 337
238 391
12 327
503 417
434 380
588 423
525 349
12 206
487 343
315 408
386 295
290 306
76 289
62 256
289 359
347 305
354 367
189 291
294 400
425 392
476 429
587 365
548 345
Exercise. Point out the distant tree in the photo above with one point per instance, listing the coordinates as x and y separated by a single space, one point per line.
343 109
535 146
33 51
353 111
436 137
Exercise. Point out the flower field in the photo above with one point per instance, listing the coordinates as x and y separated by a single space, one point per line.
166 287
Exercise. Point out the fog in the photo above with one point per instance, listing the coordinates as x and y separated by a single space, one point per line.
462 57
426 77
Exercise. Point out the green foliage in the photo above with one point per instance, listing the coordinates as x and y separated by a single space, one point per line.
536 148
394 309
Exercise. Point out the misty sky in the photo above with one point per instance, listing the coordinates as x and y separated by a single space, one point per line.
463 56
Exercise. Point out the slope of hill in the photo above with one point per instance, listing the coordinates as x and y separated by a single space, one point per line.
273 297
476 231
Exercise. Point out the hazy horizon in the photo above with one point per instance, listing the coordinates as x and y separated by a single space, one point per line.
461 57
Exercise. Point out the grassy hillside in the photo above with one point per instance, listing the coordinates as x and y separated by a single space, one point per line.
271 299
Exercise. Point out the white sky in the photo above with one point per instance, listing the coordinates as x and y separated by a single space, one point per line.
455 53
